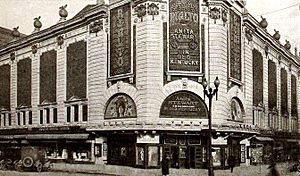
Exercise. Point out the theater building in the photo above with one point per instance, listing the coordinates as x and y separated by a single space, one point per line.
120 83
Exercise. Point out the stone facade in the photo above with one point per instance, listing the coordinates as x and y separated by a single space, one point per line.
147 73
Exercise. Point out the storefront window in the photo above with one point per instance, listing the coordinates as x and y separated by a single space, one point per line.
153 156
98 150
216 154
140 156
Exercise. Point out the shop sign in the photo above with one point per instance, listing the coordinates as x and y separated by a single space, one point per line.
120 106
183 104
184 36
120 36
150 139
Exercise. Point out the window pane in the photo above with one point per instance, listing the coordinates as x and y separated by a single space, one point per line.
41 116
48 115
76 111
68 114
19 120
9 119
55 115
30 118
84 113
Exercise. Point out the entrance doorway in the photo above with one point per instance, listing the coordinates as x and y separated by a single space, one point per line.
184 156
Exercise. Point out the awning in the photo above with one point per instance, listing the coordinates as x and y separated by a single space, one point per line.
263 139
58 136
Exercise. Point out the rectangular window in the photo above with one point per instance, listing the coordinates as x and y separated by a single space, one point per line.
24 82
19 118
30 118
284 93
24 117
5 86
272 85
76 113
84 113
294 105
47 115
68 114
257 77
48 76
76 70
41 116
1 116
54 115
4 119
9 119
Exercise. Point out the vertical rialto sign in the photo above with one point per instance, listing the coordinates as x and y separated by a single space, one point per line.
184 54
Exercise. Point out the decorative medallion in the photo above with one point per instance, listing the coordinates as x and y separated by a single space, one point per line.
120 106
266 49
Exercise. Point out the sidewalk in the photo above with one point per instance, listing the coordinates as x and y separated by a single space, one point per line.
129 171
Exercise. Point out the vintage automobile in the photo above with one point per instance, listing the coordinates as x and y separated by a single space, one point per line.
9 157
33 157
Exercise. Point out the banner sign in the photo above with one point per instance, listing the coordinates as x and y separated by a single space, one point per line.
120 36
184 36
183 104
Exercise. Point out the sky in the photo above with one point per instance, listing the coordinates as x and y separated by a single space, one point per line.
280 14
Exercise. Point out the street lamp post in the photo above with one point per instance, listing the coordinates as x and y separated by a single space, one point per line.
210 94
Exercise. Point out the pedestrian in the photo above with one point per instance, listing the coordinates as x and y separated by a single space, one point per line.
165 165
273 171
231 162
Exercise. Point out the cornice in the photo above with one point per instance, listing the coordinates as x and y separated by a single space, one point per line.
55 30
253 24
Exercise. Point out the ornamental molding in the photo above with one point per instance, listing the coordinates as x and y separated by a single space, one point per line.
144 9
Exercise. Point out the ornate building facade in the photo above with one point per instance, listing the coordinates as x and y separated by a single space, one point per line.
120 83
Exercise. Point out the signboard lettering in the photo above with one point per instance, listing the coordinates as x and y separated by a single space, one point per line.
183 104
184 36
120 36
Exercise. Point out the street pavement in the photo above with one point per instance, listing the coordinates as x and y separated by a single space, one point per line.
61 169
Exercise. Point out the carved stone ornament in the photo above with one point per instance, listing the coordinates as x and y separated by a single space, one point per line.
224 16
266 49
15 32
34 49
96 26
141 11
249 35
263 23
276 36
287 45
214 13
12 56
37 23
63 13
153 10
60 40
